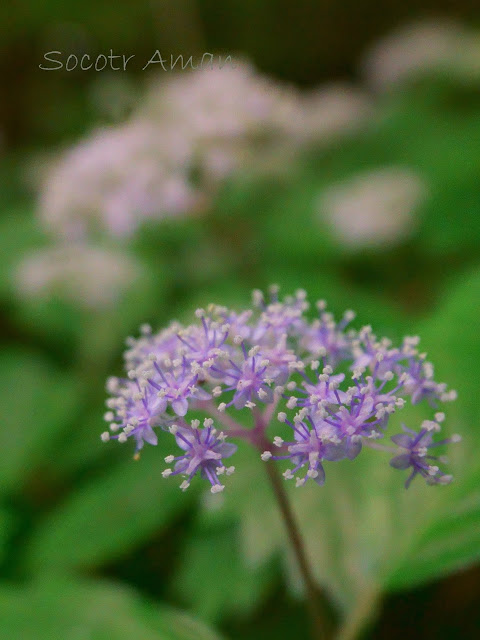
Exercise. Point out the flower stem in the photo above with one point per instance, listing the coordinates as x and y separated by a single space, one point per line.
320 622
318 619
361 615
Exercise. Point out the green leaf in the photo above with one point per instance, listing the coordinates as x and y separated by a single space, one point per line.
61 610
451 339
211 557
448 543
7 523
37 404
451 539
81 449
293 229
104 331
109 514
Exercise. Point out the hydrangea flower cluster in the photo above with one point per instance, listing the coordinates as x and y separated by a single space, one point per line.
88 276
186 136
333 387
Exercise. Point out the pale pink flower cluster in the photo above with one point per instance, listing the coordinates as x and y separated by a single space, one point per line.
117 178
238 117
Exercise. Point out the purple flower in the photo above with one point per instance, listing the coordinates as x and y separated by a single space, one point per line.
314 441
205 345
416 454
323 390
281 357
420 385
250 379
164 345
277 318
354 422
327 339
204 451
134 411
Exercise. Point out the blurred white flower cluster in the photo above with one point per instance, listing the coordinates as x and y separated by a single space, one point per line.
87 276
379 208
191 132
168 160
373 208
424 47
331 112
197 128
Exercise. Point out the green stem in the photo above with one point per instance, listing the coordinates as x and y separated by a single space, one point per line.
362 612
319 631
256 436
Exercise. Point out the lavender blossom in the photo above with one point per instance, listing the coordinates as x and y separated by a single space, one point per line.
314 441
414 452
337 389
204 453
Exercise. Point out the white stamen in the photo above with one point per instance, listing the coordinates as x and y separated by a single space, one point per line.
217 488
292 402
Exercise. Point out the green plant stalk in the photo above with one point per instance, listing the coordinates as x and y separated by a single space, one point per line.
320 621
317 615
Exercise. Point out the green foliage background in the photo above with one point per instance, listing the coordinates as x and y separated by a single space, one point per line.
93 543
